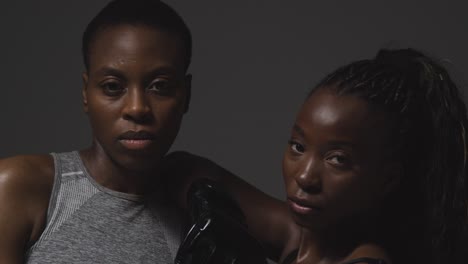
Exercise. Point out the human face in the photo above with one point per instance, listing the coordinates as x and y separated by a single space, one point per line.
135 94
335 167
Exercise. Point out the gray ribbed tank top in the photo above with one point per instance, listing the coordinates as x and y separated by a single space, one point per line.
88 223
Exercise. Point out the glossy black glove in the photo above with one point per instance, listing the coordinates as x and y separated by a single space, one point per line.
219 234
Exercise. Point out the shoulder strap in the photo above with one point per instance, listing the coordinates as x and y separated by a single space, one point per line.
55 186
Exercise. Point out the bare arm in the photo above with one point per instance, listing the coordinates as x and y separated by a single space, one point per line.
25 186
268 219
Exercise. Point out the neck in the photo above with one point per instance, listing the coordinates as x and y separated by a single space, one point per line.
335 243
108 173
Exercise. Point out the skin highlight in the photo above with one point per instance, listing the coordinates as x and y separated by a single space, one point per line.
135 94
334 176
375 168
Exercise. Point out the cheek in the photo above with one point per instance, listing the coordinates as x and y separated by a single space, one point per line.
350 194
286 167
289 169
169 111
168 115
102 113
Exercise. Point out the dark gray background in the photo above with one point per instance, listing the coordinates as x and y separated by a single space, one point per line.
254 61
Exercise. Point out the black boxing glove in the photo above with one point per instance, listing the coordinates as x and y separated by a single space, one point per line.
219 233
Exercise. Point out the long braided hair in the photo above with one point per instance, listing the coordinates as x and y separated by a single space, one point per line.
430 208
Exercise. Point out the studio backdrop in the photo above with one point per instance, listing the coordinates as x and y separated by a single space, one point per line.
253 63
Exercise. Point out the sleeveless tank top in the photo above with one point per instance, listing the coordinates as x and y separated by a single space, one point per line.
88 223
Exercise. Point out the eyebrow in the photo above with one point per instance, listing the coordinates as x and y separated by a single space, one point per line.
340 143
106 70
164 70
299 130
109 71
332 143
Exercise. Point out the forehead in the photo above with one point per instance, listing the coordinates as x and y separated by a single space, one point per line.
135 44
342 117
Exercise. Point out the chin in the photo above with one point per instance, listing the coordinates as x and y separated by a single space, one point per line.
317 222
140 162
140 167
308 222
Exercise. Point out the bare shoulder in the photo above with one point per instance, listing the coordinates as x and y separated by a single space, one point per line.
26 184
25 187
32 172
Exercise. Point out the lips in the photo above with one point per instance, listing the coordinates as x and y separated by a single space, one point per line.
136 140
137 135
302 206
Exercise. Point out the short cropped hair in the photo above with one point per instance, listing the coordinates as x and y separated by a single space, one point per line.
152 13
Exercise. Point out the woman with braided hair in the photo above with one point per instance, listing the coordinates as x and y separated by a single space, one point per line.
376 168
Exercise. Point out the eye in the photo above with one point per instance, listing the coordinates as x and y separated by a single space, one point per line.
112 88
296 147
339 160
161 86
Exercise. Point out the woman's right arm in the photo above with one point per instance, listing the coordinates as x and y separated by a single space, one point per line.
267 218
25 186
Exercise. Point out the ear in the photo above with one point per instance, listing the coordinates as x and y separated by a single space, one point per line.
188 88
84 91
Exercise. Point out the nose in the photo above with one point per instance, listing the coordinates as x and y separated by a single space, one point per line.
308 176
137 108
